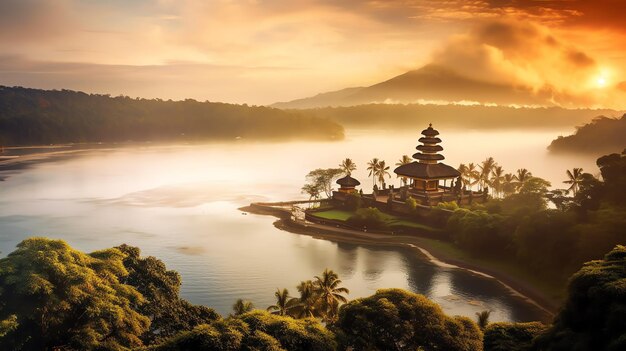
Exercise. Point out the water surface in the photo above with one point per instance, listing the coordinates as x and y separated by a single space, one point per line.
179 203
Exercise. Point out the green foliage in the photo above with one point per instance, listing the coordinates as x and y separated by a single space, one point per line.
160 288
223 335
370 218
594 315
394 319
242 306
292 334
321 181
32 116
450 206
256 330
329 294
511 336
8 325
65 298
411 204
479 232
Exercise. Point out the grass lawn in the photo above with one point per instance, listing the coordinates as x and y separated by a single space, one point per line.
391 220
334 214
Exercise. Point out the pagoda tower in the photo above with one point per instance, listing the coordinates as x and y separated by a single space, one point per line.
427 171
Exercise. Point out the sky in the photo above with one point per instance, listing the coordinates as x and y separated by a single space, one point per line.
261 52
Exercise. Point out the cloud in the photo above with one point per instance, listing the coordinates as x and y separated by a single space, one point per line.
528 55
34 20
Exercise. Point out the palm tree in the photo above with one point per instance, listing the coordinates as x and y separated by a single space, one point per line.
509 184
483 319
575 179
382 171
307 303
347 166
522 176
284 303
372 166
485 171
497 179
472 174
403 161
463 170
330 294
241 306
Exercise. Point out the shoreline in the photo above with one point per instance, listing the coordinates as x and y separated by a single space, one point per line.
424 247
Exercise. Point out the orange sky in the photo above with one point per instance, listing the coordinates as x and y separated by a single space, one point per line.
259 52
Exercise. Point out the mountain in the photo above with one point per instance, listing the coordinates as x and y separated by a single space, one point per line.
429 83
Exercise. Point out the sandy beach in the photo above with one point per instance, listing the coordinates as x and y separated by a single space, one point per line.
428 248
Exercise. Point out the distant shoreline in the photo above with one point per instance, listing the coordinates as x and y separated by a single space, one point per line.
427 248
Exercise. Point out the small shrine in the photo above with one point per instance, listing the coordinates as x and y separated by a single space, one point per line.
348 184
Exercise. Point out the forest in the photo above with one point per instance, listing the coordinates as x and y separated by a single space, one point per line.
600 135
396 116
115 299
37 117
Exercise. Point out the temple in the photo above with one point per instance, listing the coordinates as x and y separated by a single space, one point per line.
426 172
428 180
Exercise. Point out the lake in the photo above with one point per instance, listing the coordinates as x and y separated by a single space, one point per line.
179 203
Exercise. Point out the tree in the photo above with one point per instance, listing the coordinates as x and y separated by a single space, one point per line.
594 314
242 306
405 159
313 190
284 303
534 185
394 319
372 166
463 170
522 176
169 314
369 218
64 298
497 180
509 185
347 166
382 171
482 319
574 179
292 334
307 302
473 175
511 336
321 179
330 293
485 171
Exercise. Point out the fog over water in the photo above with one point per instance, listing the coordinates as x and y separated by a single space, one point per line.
179 203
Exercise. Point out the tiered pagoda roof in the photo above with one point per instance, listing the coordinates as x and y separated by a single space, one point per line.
427 165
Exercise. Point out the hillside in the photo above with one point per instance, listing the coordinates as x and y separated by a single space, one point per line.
33 116
602 135
398 116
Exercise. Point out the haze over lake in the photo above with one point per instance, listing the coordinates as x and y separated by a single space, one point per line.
179 203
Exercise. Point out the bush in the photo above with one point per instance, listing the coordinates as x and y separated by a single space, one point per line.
511 336
395 319
594 315
369 217
256 330
450 205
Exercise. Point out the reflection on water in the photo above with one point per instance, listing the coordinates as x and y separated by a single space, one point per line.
179 203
